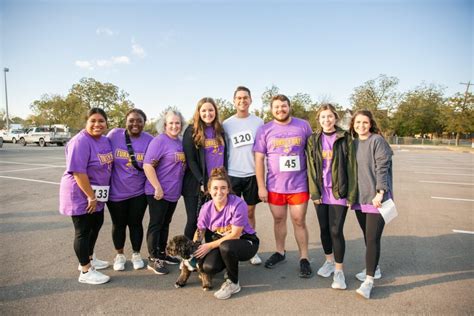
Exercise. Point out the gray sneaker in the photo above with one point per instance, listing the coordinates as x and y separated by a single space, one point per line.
365 289
227 289
339 281
361 275
327 269
158 266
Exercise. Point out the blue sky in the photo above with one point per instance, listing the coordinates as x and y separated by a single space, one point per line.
175 52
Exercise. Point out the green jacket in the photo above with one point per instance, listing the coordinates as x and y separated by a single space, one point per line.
343 168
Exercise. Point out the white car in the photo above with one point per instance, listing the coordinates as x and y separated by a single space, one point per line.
13 136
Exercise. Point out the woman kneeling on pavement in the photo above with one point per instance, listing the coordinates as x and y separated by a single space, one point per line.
84 190
229 238
127 203
164 167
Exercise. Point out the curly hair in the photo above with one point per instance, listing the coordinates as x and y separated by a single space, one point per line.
161 123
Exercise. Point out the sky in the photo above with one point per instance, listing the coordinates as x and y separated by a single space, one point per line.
166 53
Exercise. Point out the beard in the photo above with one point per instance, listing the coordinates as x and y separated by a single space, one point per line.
284 119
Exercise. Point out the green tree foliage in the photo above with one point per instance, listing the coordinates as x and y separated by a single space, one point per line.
458 114
226 109
378 95
419 112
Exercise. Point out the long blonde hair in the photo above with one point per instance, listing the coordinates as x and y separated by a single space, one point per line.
199 126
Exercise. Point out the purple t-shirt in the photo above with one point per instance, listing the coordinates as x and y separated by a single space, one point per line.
127 182
327 142
168 152
369 208
89 155
214 151
234 213
284 147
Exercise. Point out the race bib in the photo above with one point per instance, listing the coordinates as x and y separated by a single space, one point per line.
290 163
101 192
242 139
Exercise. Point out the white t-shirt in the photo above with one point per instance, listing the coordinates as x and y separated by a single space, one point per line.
240 134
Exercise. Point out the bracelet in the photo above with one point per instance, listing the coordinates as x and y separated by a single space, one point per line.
91 200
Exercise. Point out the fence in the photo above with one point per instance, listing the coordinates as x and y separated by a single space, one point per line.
425 141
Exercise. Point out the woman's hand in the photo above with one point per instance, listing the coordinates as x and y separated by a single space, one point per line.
158 193
263 194
202 251
317 201
377 200
91 205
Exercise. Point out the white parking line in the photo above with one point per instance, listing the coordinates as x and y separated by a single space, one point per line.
463 231
28 169
452 199
30 180
429 167
33 164
447 174
442 182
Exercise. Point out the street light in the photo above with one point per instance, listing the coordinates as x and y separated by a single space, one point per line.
5 70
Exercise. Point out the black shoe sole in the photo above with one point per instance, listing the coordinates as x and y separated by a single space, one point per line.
271 266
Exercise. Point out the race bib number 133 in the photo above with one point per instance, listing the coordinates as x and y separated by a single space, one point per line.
101 192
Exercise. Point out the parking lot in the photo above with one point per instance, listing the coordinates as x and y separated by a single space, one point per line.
427 256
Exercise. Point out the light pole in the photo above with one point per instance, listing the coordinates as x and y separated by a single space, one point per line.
5 70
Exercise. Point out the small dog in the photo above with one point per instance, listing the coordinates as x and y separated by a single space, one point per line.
181 246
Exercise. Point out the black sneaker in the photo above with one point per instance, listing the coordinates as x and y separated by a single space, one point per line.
171 260
274 259
305 269
157 266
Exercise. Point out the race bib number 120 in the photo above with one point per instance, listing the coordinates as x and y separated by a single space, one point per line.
290 163
101 192
242 139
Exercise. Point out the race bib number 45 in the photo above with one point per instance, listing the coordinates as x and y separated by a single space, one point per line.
290 163
101 192
242 139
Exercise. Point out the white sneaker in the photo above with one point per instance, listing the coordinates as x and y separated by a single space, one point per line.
137 261
327 269
119 262
227 289
339 281
93 277
361 275
256 260
365 289
96 263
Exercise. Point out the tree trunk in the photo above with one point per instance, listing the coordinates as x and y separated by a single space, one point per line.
458 135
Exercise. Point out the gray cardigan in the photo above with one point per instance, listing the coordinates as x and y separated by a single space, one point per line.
374 168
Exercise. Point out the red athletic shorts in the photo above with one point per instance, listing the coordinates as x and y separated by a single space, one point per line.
287 198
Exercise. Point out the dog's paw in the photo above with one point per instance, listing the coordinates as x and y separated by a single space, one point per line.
179 285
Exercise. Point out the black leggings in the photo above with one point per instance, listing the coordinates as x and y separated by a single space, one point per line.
191 204
161 214
87 229
129 213
331 224
227 256
372 226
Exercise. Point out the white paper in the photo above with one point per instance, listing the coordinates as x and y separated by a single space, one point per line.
388 211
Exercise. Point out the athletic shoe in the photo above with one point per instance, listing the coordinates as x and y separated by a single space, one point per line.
96 263
157 266
327 269
365 289
99 264
305 269
171 260
361 275
93 277
274 259
227 289
256 260
338 280
137 261
119 262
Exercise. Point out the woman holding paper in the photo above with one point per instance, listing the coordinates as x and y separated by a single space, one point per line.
374 181
84 190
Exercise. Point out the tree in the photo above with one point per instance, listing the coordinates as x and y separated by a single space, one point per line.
419 112
225 108
458 114
379 96
106 96
265 112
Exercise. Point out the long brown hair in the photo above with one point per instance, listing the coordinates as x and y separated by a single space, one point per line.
373 125
199 126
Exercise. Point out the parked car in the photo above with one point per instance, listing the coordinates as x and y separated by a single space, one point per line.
13 136
44 135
